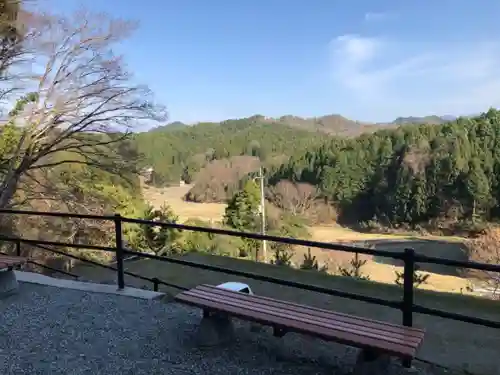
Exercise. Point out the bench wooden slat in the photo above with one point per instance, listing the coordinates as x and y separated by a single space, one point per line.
373 331
7 261
365 322
299 327
314 324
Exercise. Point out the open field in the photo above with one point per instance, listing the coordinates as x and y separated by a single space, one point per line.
173 196
185 210
448 343
443 280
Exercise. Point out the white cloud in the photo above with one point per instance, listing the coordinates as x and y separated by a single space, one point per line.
384 74
357 49
376 16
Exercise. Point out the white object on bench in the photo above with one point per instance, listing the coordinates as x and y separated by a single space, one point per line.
236 287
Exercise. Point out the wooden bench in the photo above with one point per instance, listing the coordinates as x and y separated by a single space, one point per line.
8 281
9 262
374 337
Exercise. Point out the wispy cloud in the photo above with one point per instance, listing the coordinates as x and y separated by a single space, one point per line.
385 73
377 16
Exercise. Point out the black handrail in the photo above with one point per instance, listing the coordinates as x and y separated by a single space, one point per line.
409 257
270 279
155 281
47 267
257 236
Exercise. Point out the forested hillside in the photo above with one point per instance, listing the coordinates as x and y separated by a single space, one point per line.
181 152
178 151
410 175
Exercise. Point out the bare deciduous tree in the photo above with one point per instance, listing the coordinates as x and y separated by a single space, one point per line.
296 198
14 33
220 179
82 103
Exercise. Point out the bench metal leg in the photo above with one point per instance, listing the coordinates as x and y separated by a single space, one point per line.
278 332
8 282
371 362
407 362
214 329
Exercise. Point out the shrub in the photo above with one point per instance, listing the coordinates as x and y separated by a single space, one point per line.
282 255
354 268
162 240
419 278
310 263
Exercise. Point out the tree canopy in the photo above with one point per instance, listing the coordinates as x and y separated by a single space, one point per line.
179 152
409 175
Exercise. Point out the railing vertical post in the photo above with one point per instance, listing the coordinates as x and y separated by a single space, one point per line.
18 248
119 251
407 307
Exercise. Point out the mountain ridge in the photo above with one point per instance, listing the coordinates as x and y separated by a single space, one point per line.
335 124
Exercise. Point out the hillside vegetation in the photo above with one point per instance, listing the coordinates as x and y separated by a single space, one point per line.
68 144
228 150
436 174
181 152
411 175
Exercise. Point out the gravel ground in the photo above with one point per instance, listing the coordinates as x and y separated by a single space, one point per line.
47 330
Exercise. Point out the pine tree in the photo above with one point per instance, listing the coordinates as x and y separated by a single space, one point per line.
243 209
242 214
478 188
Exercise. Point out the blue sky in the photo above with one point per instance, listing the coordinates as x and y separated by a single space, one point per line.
368 60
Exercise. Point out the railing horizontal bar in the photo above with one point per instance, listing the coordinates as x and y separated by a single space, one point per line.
75 257
58 244
454 316
327 246
57 214
152 280
457 263
53 269
293 284
47 267
257 236
291 241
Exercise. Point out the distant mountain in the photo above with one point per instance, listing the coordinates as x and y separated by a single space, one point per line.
178 150
173 126
334 124
449 117
435 120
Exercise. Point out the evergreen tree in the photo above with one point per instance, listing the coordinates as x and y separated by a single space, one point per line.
242 214
243 209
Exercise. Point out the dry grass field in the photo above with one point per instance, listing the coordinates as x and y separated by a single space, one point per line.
375 270
185 210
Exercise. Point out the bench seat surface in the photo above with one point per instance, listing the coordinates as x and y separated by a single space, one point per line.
7 261
347 329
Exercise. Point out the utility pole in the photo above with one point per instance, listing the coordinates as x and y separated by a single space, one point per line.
262 214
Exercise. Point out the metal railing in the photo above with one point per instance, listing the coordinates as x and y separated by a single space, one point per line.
407 305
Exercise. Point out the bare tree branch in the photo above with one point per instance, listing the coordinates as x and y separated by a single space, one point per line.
485 249
296 198
83 103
